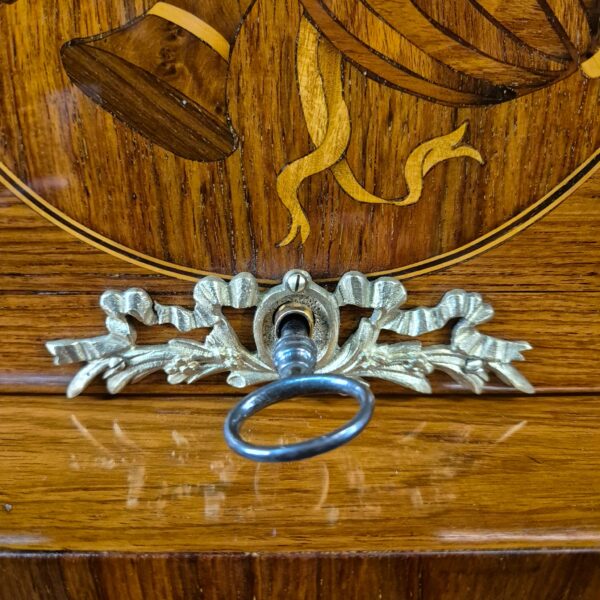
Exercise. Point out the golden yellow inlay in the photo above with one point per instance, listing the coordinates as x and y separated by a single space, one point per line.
328 121
493 238
334 135
197 27
591 67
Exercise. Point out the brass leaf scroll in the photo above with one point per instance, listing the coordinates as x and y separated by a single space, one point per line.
328 121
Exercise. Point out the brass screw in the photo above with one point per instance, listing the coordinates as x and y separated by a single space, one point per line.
296 281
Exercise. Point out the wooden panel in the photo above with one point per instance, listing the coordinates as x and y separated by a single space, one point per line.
141 474
501 576
557 254
435 129
403 136
50 289
124 577
564 330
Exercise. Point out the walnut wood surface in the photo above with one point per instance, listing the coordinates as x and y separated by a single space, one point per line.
146 73
197 130
517 576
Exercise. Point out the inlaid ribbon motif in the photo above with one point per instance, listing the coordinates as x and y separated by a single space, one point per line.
328 120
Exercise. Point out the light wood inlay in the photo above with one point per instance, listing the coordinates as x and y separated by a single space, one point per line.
145 136
196 26
332 143
591 67
325 111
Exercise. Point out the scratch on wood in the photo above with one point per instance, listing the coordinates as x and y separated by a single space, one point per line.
511 431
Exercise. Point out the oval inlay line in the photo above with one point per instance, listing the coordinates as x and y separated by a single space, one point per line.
490 240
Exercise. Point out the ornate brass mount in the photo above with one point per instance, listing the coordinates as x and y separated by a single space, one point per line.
296 331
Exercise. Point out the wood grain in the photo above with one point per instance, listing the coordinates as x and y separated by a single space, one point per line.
444 497
470 22
529 23
164 75
328 122
564 244
459 36
162 100
544 285
564 330
227 216
141 474
450 576
392 57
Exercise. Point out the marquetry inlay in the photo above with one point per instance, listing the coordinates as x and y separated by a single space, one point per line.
329 135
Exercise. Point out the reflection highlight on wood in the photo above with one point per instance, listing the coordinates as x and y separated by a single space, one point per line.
460 473
463 473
